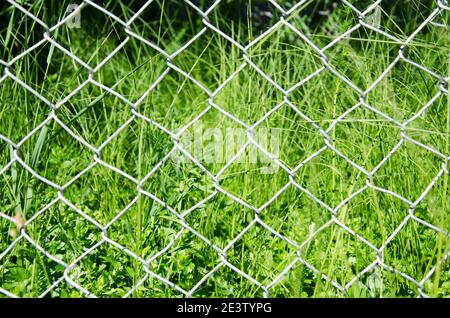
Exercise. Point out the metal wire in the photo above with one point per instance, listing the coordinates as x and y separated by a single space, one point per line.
440 6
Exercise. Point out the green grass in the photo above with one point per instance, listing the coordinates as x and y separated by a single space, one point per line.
147 227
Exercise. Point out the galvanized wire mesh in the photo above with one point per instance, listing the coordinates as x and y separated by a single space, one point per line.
363 21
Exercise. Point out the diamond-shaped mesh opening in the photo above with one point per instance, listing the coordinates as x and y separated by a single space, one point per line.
108 271
25 33
261 255
295 215
63 233
362 56
145 146
390 18
26 272
14 98
220 219
374 215
404 171
330 178
415 250
324 98
101 193
94 114
135 65
210 59
277 53
322 21
94 39
23 195
430 128
365 137
186 262
254 169
51 149
289 136
243 21
50 72
403 92
339 256
213 140
180 183
166 103
437 200
239 98
431 45
161 24
145 228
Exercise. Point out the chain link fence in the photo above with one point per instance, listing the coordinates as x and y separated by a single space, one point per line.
366 17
